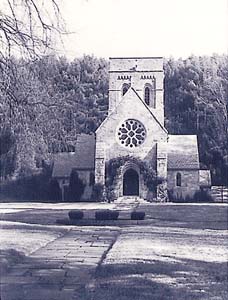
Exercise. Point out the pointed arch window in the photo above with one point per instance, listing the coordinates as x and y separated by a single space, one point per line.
178 179
149 94
125 88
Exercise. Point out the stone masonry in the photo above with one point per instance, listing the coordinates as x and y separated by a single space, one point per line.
129 103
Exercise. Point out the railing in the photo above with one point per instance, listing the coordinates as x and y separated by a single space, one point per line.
219 193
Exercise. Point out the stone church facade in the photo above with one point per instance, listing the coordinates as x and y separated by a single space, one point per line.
135 128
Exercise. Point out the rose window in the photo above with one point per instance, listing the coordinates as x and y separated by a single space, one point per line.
131 133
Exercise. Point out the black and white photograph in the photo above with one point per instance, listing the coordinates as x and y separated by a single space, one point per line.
113 149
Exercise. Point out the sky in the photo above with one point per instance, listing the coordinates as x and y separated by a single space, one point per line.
177 28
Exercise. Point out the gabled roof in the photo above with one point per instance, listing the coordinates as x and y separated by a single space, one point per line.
130 90
150 111
82 159
183 152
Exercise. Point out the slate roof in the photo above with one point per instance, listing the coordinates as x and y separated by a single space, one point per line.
183 152
82 159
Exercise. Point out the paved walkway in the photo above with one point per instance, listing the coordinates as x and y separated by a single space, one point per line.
62 269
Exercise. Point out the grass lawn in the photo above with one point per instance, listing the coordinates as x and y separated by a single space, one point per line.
20 239
181 255
186 279
165 263
211 216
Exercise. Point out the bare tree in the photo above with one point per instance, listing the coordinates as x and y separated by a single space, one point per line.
28 30
28 27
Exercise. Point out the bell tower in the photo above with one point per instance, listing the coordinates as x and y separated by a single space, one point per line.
145 75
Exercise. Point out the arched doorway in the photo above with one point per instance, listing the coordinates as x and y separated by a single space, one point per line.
131 183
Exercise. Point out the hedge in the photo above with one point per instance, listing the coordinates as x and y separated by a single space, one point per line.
137 215
106 215
76 214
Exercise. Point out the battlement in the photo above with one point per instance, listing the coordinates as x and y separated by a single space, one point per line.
136 64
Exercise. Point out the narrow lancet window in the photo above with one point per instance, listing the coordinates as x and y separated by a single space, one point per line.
149 95
125 88
178 179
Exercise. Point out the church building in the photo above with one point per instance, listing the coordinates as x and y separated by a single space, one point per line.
134 128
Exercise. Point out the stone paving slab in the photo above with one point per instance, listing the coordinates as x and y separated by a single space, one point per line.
61 269
39 293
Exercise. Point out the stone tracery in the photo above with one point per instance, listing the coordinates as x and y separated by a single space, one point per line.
131 133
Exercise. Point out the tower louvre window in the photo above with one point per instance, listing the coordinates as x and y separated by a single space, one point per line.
150 95
147 95
125 88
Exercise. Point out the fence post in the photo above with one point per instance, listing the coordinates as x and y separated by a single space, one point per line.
222 193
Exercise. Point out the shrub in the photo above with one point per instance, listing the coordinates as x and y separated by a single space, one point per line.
179 198
202 196
138 215
188 199
76 187
31 188
54 191
199 196
76 214
97 193
10 257
176 197
110 195
106 214
171 195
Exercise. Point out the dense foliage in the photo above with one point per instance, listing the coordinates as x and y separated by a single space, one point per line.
196 102
52 100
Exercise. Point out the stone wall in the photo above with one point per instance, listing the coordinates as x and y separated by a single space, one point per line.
118 182
129 108
189 182
84 175
108 145
100 161
137 72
